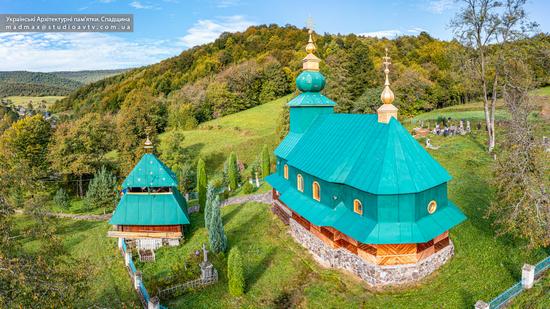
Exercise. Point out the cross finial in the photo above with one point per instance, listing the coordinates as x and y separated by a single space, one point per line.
386 60
309 24
205 256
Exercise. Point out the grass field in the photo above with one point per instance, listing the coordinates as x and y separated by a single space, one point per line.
23 101
109 283
245 133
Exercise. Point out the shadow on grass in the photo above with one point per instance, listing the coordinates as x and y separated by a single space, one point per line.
229 215
75 226
257 271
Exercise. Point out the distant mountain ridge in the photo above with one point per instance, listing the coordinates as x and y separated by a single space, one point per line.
25 83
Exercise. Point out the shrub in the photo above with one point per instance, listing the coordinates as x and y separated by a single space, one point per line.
61 199
235 272
210 199
248 188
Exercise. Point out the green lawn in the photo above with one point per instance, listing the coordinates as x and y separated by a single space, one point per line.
245 133
281 273
109 283
77 206
24 100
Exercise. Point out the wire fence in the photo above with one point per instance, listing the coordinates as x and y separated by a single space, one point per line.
506 296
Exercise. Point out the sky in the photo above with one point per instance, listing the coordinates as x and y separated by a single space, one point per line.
164 28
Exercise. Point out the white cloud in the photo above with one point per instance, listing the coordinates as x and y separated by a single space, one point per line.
383 33
207 30
138 5
439 6
416 30
79 51
226 3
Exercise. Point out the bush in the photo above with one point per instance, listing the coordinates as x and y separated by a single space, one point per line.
235 272
61 199
248 188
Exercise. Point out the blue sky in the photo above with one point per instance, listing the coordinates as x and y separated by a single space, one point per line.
164 28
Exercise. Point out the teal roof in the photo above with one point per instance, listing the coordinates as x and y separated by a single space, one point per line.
151 209
365 229
357 150
310 81
150 172
311 99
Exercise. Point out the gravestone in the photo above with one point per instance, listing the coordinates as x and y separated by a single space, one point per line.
207 269
468 128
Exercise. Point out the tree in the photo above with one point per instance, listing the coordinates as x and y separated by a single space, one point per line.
479 24
266 164
235 272
61 199
521 207
210 200
140 115
172 153
101 190
232 172
201 183
283 123
79 147
216 233
24 151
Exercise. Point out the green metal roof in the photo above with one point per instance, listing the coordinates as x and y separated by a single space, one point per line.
357 150
365 229
150 172
151 209
311 99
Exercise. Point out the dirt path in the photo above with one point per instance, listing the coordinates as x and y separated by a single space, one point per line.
260 198
84 217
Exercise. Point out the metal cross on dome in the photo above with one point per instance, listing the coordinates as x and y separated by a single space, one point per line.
309 23
386 59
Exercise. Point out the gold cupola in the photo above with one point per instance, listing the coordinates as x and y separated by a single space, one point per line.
148 146
387 110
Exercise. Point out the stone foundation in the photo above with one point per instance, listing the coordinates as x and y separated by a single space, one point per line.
374 275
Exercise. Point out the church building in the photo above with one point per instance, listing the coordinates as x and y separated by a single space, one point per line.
151 210
358 191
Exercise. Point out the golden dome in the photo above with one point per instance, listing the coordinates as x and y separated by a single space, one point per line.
310 47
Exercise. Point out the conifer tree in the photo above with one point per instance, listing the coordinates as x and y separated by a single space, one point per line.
101 190
216 233
210 200
201 183
235 272
266 170
61 199
233 172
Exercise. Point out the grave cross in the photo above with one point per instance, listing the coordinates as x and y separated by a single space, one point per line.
205 252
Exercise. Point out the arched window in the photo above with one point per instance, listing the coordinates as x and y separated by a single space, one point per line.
285 171
357 207
300 183
432 206
316 191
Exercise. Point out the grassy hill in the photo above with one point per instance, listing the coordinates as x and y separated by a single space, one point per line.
89 76
24 83
245 133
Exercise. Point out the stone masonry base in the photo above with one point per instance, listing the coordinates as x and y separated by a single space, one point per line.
374 275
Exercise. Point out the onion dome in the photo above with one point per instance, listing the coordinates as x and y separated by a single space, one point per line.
310 81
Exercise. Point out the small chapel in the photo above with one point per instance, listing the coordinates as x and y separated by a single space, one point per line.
357 190
151 211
